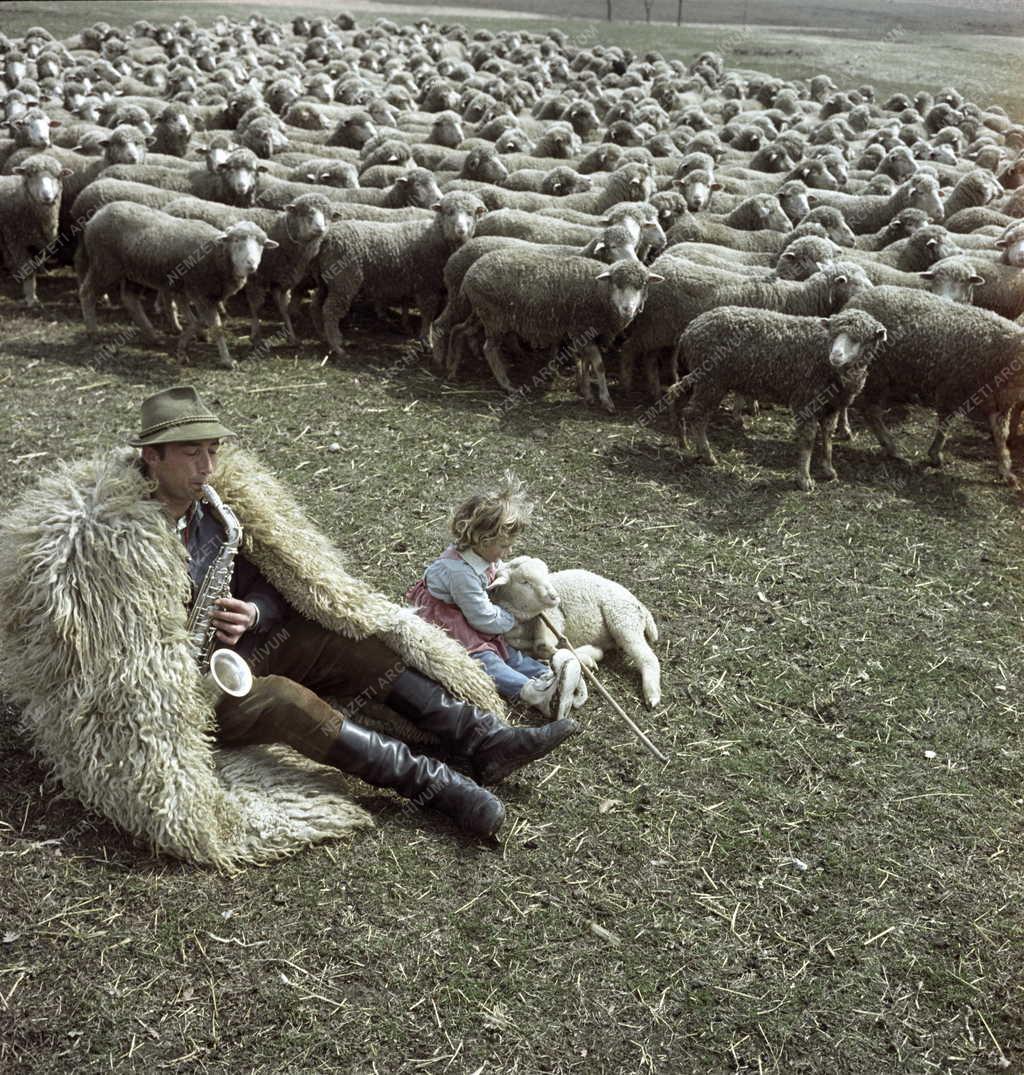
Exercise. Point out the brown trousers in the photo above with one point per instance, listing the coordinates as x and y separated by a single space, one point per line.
291 667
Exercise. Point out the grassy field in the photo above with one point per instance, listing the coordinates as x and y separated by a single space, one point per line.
825 877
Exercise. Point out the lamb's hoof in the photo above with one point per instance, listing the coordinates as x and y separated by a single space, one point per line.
653 701
843 434
935 461
828 475
805 484
609 407
30 304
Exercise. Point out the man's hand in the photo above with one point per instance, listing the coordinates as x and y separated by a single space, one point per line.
233 618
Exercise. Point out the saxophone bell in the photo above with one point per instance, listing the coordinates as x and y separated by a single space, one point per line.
228 674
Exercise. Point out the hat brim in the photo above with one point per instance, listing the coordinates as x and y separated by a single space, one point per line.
183 432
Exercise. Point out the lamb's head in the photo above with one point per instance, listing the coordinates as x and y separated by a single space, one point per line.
33 128
815 173
627 282
953 278
458 212
484 165
696 187
833 221
524 588
853 338
803 257
307 217
768 213
245 243
793 198
420 188
124 145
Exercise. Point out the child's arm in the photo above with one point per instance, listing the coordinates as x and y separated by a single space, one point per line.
481 613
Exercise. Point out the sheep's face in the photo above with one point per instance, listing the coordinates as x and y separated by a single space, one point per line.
803 257
853 339
952 279
770 214
32 129
41 183
815 174
922 192
1011 242
626 282
215 156
458 215
696 188
793 200
245 243
341 175
125 145
933 243
845 279
354 132
307 221
526 588
421 189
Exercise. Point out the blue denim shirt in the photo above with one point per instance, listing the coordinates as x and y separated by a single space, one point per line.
463 582
203 536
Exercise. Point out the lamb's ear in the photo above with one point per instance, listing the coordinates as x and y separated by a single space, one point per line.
812 199
603 276
928 274
601 245
435 207
290 207
261 168
271 244
400 179
881 335
715 186
975 279
654 278
786 254
824 321
479 210
18 169
55 122
1000 243
499 580
65 172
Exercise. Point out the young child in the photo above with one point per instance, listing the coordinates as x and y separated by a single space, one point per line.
453 595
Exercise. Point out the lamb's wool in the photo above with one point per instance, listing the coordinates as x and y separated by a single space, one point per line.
93 648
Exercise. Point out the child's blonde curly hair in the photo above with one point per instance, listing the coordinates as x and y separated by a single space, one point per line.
503 512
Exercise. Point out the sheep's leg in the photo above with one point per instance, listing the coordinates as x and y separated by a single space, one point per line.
827 428
1018 410
492 352
583 384
28 290
255 297
938 441
999 423
165 305
282 295
805 434
212 318
132 302
696 419
629 637
591 356
883 436
589 656
87 300
334 310
428 304
627 366
844 432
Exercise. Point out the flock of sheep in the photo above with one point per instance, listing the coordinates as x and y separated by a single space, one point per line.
719 230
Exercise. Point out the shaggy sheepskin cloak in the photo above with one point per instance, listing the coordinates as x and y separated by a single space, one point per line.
93 647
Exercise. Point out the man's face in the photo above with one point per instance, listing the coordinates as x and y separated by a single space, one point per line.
185 467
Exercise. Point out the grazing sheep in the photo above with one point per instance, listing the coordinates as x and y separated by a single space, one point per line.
690 289
957 359
133 246
815 366
390 262
593 613
29 218
544 300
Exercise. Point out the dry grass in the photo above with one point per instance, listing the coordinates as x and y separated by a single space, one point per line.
825 877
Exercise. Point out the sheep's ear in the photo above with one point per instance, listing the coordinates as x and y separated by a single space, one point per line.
19 169
65 172
103 142
604 276
975 279
678 182
654 278
479 210
436 206
261 168
841 278
824 321
271 244
820 266
223 166
1000 243
762 210
290 207
400 179
601 245
928 274
786 254
150 140
715 186
499 580
812 199
881 334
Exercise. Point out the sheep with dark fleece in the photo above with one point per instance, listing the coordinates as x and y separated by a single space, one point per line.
815 366
690 289
977 188
390 262
544 300
957 359
135 247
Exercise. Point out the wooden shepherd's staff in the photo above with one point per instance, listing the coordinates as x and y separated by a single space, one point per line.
638 732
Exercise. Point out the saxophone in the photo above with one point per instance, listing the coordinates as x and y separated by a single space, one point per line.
224 671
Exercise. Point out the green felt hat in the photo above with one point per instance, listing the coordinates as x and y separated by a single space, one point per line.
177 414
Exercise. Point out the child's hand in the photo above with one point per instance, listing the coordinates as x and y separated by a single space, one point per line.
499 580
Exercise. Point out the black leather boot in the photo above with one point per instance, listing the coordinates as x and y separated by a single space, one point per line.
385 762
494 748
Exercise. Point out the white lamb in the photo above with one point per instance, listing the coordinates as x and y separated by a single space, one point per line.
593 612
